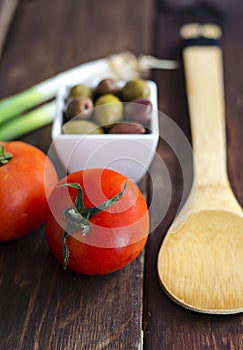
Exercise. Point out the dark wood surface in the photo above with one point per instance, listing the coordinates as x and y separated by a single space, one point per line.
43 307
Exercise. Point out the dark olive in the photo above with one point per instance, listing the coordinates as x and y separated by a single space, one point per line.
80 90
107 86
139 110
108 110
135 88
79 106
127 128
78 126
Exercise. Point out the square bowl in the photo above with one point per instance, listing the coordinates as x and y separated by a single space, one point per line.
129 154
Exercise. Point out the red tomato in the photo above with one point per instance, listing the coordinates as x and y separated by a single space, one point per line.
26 181
116 235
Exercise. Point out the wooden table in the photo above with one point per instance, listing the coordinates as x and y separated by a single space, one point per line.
44 307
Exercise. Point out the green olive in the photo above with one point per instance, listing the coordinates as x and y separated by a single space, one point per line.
107 86
79 106
108 110
80 90
77 126
136 88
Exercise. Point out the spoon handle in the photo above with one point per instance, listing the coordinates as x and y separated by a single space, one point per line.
203 64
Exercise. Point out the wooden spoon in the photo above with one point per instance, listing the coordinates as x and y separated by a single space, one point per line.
200 263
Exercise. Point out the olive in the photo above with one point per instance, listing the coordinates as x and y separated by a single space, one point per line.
135 88
80 90
107 86
127 128
78 126
139 110
108 110
79 106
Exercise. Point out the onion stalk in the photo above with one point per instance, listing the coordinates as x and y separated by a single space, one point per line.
25 123
46 90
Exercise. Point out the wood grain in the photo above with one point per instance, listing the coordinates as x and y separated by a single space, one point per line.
47 308
168 326
43 307
7 11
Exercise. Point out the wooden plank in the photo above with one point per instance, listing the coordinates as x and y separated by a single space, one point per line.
42 306
167 325
61 36
7 11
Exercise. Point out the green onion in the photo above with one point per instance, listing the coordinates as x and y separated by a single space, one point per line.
25 123
46 90
17 104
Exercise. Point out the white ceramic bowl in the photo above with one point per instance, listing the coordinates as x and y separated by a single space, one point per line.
129 154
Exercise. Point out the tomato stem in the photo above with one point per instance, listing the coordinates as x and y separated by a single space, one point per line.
66 251
4 156
77 218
